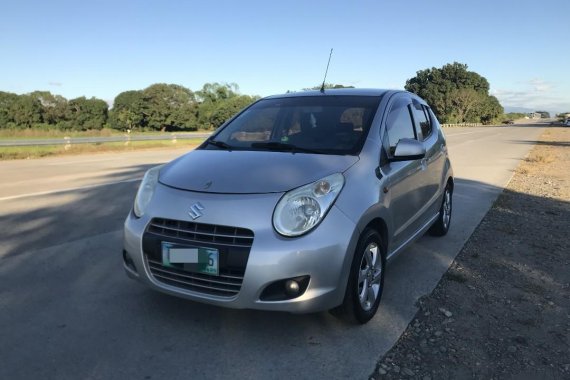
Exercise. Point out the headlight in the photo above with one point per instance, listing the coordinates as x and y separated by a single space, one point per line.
146 190
302 209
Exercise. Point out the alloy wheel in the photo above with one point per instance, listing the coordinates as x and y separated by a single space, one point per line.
446 208
369 276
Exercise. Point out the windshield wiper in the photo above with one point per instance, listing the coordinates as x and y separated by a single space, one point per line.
219 144
279 146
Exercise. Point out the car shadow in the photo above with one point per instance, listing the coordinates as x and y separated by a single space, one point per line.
547 143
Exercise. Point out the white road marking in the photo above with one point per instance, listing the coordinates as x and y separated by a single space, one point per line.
68 189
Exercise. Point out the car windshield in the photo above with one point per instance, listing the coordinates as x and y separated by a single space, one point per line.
325 124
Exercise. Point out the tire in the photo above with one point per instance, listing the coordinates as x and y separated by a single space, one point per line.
441 225
366 279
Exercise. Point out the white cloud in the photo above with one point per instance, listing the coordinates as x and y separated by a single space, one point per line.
536 94
540 86
56 84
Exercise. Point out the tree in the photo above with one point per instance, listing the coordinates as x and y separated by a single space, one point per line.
544 114
53 106
128 111
169 106
327 86
228 108
464 104
219 102
26 111
454 93
161 106
7 99
210 97
491 110
214 92
84 114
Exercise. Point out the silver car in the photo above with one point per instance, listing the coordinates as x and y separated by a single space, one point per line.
295 204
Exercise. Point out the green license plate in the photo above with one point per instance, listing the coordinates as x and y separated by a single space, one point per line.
192 259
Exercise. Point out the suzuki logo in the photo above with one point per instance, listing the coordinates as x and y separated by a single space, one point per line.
196 210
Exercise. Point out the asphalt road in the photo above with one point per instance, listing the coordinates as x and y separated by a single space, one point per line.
67 311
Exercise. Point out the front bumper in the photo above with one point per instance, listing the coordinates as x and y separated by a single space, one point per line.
324 254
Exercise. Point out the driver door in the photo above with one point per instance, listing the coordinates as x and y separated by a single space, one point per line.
405 178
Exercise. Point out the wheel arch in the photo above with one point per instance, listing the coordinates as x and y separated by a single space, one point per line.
374 218
379 225
451 182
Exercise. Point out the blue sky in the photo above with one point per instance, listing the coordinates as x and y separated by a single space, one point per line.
101 48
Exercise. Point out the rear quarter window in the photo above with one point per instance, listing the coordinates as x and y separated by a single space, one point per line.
422 120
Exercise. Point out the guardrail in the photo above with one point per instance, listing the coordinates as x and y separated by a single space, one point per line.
462 125
126 138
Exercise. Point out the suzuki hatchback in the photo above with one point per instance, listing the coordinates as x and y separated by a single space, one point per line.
295 204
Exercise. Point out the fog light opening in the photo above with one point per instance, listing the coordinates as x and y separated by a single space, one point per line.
292 288
129 262
285 289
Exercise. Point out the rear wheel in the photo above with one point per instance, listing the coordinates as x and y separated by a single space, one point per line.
441 226
366 280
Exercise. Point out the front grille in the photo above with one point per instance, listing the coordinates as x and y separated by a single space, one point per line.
227 284
232 243
202 233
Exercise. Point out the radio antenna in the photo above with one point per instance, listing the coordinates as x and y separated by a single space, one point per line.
326 71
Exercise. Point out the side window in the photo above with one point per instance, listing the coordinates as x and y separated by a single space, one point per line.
422 120
399 123
432 118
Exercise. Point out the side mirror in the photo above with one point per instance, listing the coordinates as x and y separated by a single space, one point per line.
408 149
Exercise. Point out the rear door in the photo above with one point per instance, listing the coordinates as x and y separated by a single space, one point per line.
434 161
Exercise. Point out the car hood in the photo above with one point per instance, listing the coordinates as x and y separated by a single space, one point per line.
249 172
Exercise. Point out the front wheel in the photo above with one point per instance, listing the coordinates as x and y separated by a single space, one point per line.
366 280
441 225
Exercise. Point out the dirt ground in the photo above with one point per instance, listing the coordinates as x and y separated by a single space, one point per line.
502 311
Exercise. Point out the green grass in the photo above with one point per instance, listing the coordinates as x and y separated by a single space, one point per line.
39 151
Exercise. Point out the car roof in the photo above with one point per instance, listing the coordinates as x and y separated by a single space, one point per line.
336 91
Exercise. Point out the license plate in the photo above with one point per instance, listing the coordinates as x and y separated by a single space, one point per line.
193 259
